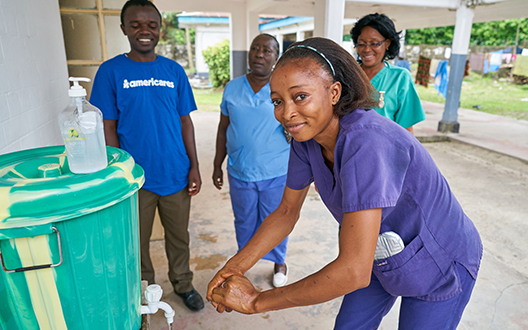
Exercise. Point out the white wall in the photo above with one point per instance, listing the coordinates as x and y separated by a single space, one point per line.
33 74
206 37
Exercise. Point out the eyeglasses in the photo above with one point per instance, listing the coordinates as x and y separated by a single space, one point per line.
372 45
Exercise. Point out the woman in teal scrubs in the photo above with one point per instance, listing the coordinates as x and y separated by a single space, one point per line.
377 41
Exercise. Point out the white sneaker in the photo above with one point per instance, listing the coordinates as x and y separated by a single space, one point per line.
280 279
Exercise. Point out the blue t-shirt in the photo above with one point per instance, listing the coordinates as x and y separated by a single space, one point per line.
256 145
147 99
378 164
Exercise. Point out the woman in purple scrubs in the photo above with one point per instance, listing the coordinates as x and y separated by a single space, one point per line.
374 177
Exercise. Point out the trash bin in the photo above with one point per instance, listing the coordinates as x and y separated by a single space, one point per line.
69 243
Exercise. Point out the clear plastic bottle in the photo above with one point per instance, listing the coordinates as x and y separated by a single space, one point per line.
81 127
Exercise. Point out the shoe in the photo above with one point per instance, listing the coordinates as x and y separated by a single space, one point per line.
280 279
192 300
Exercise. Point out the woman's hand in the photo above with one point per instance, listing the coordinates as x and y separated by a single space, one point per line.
219 280
236 293
218 177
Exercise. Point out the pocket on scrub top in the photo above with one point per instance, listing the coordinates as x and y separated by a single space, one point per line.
410 273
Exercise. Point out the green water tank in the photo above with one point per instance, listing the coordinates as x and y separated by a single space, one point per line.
69 243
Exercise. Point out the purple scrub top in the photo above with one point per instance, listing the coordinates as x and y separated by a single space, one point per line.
378 164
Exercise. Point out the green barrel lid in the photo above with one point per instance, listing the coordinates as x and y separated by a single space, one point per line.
37 186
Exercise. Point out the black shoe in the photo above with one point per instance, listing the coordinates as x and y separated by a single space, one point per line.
192 300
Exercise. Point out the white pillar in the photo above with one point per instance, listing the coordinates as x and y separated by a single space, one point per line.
328 19
238 45
299 36
462 35
280 39
252 26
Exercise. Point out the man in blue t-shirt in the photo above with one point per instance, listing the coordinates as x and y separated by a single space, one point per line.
146 100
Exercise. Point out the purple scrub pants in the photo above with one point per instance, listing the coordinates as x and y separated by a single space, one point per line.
252 202
364 309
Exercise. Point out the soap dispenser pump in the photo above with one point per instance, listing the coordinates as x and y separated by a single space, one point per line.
81 127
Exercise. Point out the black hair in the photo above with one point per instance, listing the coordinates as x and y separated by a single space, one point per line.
385 27
272 37
143 3
357 92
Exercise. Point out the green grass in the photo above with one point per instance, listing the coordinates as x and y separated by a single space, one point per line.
494 96
208 100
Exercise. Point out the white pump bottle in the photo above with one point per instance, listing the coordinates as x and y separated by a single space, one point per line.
81 127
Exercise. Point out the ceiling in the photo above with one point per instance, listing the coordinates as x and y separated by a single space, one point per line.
407 14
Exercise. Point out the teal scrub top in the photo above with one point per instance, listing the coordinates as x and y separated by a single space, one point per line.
401 101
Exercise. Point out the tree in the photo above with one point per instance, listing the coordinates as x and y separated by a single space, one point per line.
499 33
170 33
430 36
217 59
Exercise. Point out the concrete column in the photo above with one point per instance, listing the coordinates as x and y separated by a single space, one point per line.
328 19
280 39
299 36
464 20
252 26
238 45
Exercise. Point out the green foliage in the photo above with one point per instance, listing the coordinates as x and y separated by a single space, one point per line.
499 33
170 33
217 59
430 36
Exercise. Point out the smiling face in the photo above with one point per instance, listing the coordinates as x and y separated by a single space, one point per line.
262 55
304 97
372 56
142 27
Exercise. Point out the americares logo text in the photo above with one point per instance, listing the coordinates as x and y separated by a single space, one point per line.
147 83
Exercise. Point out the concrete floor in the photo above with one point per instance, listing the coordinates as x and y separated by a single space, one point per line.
491 187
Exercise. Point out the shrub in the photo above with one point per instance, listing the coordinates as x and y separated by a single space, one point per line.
217 59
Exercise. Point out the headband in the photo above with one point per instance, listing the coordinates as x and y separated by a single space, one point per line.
318 52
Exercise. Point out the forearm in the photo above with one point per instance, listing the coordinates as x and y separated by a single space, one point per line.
273 230
110 132
189 141
350 271
329 283
221 150
221 140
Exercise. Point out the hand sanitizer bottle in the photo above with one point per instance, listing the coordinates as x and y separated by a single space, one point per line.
81 127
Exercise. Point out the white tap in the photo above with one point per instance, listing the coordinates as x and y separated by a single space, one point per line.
153 295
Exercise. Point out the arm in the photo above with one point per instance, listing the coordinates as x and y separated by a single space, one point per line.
273 230
221 151
110 132
195 182
410 129
350 271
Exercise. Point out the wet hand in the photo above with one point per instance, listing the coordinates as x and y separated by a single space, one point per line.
219 279
235 293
